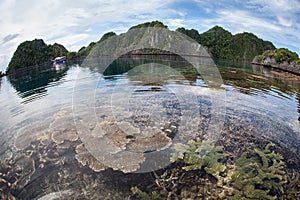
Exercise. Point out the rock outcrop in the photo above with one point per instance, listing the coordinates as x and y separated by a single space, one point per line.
33 53
282 59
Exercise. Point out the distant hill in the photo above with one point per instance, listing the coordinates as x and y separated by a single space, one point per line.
221 44
35 52
150 24
242 47
84 51
217 40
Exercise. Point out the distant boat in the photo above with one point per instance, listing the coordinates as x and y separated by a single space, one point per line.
60 60
59 63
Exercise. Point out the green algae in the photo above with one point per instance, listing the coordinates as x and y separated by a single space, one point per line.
144 196
256 174
260 174
202 155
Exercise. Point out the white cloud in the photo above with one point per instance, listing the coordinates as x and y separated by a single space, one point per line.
277 21
8 38
175 22
181 14
283 10
284 6
241 21
76 23
70 41
285 22
71 22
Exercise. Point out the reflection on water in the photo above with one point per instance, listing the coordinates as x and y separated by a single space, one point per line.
36 81
126 63
144 108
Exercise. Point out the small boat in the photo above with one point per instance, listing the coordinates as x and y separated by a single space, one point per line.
60 60
59 63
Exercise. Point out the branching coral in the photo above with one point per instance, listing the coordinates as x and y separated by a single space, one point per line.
260 173
15 174
144 196
257 174
203 155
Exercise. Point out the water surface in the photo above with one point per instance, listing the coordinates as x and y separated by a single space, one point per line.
79 133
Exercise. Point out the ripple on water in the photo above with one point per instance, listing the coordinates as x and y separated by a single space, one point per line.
151 120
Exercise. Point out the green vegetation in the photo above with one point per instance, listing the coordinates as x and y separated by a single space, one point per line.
72 55
242 47
150 24
264 56
260 173
245 46
210 163
56 50
106 36
217 41
84 51
283 54
144 196
281 58
35 52
192 33
223 45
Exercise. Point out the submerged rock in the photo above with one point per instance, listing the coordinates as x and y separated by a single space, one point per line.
86 159
127 128
157 142
27 167
281 58
57 195
14 175
63 127
31 133
114 134
125 161
6 179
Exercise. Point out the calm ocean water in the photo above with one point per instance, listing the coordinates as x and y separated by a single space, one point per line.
70 127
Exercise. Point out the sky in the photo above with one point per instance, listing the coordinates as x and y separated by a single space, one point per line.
76 23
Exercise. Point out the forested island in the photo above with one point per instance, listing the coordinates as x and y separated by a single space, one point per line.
34 53
282 58
220 43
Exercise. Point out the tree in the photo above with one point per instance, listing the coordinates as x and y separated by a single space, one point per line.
35 52
192 33
150 24
107 35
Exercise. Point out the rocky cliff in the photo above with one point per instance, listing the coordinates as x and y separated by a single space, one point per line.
281 59
221 44
35 52
241 47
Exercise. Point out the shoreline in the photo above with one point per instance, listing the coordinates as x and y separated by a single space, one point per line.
294 69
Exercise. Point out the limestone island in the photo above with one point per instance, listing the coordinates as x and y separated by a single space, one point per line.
282 59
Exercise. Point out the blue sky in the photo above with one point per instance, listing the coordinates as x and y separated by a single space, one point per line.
76 23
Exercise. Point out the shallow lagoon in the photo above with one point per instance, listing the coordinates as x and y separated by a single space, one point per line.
77 133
